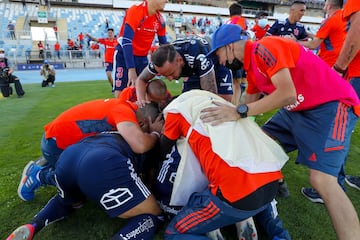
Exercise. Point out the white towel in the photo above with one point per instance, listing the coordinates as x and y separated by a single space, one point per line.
240 143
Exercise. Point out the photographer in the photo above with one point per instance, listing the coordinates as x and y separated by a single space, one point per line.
48 73
6 77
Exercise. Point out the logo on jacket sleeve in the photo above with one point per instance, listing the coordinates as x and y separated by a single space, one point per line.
115 198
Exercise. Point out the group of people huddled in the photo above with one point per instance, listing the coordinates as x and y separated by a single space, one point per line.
197 162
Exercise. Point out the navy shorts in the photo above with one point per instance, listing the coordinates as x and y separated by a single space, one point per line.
121 71
101 168
355 82
165 181
321 135
108 67
239 73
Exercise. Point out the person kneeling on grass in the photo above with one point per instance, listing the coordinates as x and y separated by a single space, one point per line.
115 185
218 184
48 72
83 120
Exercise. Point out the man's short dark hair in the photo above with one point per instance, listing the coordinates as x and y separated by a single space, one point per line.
110 29
261 14
235 9
149 110
337 3
163 54
298 2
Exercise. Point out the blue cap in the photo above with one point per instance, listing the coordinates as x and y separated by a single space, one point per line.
46 61
226 34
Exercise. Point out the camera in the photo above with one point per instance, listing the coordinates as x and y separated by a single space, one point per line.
5 72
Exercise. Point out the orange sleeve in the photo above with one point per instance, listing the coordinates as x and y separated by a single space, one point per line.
325 28
172 129
351 7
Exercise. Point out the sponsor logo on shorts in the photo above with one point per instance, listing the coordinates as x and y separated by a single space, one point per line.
144 226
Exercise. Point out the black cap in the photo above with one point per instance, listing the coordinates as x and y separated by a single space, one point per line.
261 14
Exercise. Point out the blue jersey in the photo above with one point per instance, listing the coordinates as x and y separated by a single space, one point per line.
193 50
284 27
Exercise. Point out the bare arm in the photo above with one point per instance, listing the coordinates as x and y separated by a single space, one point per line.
138 140
132 76
313 44
52 71
352 43
208 82
284 94
140 86
91 37
11 70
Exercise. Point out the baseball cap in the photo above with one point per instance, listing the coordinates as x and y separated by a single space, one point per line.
224 35
46 61
261 14
2 50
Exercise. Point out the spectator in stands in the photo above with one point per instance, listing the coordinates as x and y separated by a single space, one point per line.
95 49
110 43
47 51
331 34
11 29
6 77
349 59
24 5
239 76
291 26
48 72
140 24
56 31
106 24
41 49
261 25
81 38
70 44
193 20
57 49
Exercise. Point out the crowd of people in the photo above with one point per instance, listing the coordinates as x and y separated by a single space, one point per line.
196 162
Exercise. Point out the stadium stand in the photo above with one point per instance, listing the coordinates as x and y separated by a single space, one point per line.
74 16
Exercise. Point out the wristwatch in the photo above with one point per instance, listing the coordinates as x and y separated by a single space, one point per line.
242 109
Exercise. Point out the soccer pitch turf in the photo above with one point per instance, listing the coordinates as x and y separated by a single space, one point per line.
22 122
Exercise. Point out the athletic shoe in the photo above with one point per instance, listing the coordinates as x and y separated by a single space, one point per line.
29 181
312 195
24 232
215 235
353 181
246 229
283 192
41 161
